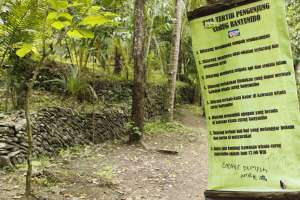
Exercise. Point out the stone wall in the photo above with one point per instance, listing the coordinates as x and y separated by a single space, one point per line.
57 128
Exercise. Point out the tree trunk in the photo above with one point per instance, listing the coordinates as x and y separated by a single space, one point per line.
6 100
30 141
138 99
118 61
173 67
180 61
148 42
147 49
6 93
21 96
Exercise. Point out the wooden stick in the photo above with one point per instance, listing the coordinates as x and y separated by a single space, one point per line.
223 195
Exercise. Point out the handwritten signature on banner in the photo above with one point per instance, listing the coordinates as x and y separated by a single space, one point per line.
253 172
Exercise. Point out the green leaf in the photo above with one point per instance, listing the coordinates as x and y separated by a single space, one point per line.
24 50
65 16
52 16
109 14
60 25
94 10
87 34
58 4
95 20
80 34
88 2
74 34
75 4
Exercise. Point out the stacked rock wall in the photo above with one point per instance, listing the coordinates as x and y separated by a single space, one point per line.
57 128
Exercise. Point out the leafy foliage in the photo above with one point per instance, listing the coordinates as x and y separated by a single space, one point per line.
293 17
75 84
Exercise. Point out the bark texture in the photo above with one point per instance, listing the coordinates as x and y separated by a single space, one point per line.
118 61
138 100
173 67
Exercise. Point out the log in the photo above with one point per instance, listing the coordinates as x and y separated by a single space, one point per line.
232 195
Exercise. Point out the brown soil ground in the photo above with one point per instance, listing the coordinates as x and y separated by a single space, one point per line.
116 171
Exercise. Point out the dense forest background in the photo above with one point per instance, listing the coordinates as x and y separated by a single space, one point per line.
72 44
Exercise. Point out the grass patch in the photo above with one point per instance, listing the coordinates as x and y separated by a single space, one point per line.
192 108
72 151
44 181
106 173
45 99
41 162
158 127
42 99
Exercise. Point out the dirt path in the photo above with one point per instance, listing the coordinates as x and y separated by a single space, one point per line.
115 171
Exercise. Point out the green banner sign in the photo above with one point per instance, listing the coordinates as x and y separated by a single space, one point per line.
248 82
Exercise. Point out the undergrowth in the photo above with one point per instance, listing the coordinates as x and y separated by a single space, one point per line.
192 108
158 127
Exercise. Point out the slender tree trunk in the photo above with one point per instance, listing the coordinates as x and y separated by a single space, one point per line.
6 100
150 32
149 39
138 100
147 50
180 60
30 141
21 96
94 102
118 61
13 97
173 67
28 89
6 92
162 66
